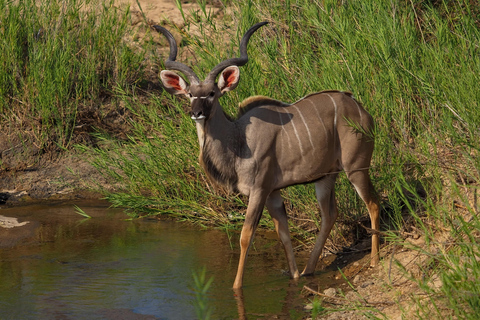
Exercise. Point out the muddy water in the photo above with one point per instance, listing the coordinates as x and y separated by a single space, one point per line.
62 266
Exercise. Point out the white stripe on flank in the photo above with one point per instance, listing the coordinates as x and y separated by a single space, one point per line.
283 127
334 123
296 133
306 126
359 110
318 115
335 106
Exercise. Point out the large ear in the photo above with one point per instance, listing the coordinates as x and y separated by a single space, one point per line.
229 79
173 83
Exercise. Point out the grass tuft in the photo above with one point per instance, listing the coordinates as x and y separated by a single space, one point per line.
201 287
61 60
81 212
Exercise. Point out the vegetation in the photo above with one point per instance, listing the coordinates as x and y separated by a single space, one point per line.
61 61
201 287
413 64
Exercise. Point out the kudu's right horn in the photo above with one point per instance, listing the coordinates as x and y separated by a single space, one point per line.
170 63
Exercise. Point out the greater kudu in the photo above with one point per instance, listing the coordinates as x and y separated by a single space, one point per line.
273 145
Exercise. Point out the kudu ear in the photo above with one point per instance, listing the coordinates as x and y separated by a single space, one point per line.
173 83
229 79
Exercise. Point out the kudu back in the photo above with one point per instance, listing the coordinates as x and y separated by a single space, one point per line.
273 145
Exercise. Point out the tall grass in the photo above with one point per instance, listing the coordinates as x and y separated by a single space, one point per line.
60 59
415 68
155 172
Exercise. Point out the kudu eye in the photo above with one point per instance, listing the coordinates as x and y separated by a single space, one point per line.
212 94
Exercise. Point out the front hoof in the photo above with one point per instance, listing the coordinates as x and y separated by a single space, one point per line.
296 275
307 274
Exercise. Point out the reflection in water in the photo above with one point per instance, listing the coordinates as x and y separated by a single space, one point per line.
67 267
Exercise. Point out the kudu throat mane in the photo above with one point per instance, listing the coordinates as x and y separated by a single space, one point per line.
219 165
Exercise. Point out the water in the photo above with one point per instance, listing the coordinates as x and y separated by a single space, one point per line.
62 266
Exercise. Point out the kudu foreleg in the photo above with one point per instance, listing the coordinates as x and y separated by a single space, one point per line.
276 209
256 203
325 192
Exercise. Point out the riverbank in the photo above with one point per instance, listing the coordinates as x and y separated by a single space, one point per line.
62 177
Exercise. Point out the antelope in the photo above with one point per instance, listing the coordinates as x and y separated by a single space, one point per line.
272 145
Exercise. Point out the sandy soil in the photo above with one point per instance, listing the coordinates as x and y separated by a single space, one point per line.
166 11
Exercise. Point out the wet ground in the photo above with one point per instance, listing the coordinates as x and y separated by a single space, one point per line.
56 264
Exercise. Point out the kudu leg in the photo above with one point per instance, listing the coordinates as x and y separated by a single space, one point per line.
276 209
252 218
325 192
362 183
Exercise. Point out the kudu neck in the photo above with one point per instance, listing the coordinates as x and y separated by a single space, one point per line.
219 125
219 149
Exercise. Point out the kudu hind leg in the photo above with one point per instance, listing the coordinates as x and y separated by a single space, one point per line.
362 183
325 192
276 209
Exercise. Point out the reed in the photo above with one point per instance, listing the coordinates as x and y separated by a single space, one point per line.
60 60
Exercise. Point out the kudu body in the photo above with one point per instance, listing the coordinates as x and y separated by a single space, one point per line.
273 145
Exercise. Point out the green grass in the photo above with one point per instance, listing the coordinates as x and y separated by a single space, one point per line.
60 61
201 287
413 64
81 212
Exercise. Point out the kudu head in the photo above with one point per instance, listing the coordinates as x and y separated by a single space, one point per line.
203 95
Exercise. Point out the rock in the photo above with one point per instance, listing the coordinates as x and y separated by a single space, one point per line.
9 222
330 292
367 284
357 279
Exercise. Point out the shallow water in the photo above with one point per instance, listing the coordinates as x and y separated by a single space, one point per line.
62 266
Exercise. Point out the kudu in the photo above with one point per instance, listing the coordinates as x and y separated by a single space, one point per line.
273 145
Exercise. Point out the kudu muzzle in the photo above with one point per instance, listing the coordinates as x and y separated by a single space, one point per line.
201 108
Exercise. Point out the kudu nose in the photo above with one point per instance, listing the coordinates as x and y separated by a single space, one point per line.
197 114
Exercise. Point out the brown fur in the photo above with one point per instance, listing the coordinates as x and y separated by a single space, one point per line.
348 93
257 101
313 141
